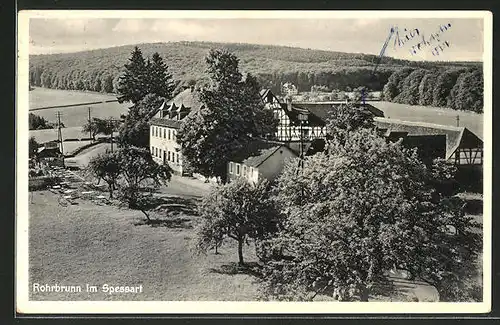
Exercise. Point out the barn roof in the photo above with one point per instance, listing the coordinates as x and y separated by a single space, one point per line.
456 137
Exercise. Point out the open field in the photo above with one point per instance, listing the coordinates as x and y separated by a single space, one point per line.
45 97
82 244
102 244
74 115
472 121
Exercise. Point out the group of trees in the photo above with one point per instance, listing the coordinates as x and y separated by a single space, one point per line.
100 126
232 115
133 172
457 88
37 122
339 222
146 84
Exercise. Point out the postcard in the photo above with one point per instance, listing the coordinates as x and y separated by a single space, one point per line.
253 162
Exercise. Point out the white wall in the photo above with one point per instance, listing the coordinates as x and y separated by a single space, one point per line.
160 142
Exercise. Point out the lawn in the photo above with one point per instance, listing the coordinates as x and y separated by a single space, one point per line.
472 121
95 244
88 243
79 115
45 97
74 115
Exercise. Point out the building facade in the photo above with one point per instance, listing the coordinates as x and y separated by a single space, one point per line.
164 127
260 160
303 121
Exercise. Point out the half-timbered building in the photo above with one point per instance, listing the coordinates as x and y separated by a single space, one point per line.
303 121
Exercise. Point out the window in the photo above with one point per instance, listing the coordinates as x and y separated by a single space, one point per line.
177 158
237 169
230 168
169 134
164 133
173 156
244 174
169 156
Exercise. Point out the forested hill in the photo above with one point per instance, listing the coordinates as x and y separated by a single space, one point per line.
98 70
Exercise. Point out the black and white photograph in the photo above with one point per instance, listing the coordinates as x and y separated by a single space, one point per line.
254 162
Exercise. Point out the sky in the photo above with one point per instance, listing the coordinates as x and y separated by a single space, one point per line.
464 36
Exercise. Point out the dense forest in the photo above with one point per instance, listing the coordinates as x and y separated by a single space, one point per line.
99 70
456 88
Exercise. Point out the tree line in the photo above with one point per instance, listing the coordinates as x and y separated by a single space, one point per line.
99 70
457 88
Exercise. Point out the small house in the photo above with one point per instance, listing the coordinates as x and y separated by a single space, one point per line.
260 160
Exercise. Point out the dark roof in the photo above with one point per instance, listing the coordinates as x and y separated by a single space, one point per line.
257 152
455 136
176 124
189 97
319 113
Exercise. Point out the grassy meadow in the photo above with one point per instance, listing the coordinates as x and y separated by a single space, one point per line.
95 244
45 97
74 115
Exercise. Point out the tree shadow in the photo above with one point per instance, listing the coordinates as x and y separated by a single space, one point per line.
176 223
174 205
473 206
251 268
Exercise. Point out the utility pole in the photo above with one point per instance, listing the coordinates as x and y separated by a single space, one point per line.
458 120
302 118
90 127
59 135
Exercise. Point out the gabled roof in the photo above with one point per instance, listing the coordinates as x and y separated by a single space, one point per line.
258 151
455 136
189 97
175 124
319 112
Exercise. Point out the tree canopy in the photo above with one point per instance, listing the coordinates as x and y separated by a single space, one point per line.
357 211
232 115
134 130
238 210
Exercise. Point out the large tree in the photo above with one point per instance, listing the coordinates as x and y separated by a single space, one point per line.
394 85
238 210
409 93
233 113
426 87
467 93
133 85
134 130
107 167
357 211
443 86
141 175
159 78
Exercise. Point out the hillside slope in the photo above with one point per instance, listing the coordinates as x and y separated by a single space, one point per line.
98 70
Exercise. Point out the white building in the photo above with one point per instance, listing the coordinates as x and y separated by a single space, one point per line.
165 125
260 160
